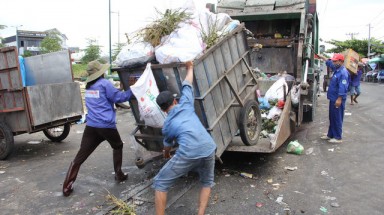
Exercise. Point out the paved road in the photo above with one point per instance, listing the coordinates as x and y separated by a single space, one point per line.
337 178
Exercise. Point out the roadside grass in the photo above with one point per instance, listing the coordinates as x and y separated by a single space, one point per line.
79 70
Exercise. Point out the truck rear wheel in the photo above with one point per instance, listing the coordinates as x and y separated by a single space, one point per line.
6 141
57 134
250 123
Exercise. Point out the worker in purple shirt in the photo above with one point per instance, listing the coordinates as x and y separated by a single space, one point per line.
355 84
100 97
337 95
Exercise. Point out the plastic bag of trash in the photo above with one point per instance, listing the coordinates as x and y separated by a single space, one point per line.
135 54
295 147
276 91
295 95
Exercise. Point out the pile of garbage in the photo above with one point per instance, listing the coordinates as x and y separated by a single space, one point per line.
272 105
179 35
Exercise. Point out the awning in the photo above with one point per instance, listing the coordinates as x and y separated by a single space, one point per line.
376 60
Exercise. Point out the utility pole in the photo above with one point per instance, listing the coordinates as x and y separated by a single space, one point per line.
110 43
352 34
118 26
17 36
369 40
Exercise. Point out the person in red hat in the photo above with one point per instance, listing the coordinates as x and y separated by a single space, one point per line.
337 96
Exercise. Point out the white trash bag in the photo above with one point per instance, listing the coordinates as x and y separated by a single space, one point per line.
135 54
276 91
146 91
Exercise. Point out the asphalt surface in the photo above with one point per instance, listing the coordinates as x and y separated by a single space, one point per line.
344 178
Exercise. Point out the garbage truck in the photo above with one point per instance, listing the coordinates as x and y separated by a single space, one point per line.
227 77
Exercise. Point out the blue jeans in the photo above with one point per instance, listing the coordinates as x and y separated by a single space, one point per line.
178 166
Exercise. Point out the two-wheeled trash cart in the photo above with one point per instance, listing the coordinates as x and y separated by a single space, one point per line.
43 97
224 88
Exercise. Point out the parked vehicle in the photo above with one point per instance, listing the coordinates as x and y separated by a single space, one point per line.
49 101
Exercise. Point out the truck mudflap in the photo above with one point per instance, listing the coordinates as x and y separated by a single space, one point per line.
285 127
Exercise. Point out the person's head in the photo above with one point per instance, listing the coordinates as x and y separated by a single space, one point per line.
338 60
95 70
166 100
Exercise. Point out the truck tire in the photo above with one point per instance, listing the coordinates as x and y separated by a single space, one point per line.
57 134
250 123
6 141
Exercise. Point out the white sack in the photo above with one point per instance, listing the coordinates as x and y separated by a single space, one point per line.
146 91
135 54
276 91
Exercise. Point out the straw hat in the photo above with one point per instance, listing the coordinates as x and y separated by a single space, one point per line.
95 69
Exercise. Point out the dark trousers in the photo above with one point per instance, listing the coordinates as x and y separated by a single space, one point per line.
92 138
336 117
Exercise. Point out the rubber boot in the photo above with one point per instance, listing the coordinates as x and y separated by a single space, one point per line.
117 161
70 179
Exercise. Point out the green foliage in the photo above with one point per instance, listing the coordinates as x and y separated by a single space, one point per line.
360 46
79 70
51 43
27 53
92 52
164 25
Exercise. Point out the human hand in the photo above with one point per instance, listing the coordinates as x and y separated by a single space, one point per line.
338 102
167 152
189 64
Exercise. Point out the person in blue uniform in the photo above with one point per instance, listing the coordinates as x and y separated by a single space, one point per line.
100 97
337 96
355 90
196 150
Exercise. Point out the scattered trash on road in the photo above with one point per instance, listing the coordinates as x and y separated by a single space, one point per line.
295 147
331 150
324 172
259 204
347 114
309 151
270 181
291 168
246 175
323 209
335 204
34 142
2 172
298 192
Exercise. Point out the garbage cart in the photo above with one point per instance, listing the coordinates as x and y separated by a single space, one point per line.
44 97
224 88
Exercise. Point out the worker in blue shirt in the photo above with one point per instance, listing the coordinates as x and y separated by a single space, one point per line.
355 90
337 95
100 97
196 148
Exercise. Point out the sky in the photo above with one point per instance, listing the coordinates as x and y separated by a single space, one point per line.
83 19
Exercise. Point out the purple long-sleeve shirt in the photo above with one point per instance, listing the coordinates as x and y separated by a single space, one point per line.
99 100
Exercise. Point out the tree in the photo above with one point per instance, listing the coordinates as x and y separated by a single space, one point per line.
360 46
51 43
92 52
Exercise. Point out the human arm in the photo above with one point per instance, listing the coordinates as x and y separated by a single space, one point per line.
342 87
189 76
114 95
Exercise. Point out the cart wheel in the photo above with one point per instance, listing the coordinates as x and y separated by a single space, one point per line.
250 123
140 162
57 134
6 141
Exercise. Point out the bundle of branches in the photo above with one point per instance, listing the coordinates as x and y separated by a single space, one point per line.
164 25
211 37
120 207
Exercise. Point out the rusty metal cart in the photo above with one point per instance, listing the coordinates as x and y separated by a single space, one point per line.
224 88
47 101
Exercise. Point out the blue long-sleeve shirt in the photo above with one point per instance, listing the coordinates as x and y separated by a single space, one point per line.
99 100
338 85
183 125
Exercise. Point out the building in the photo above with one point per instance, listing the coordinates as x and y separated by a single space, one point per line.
31 40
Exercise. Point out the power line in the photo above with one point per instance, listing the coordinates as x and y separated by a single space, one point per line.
377 16
351 34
